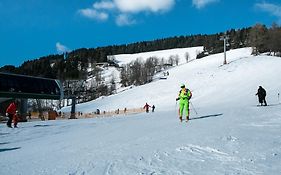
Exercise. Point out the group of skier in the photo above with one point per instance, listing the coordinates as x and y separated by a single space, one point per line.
147 106
184 96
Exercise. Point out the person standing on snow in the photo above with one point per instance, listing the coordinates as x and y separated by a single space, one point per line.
261 95
146 107
184 97
153 108
10 112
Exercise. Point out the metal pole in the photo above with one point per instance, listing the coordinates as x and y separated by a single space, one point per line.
224 38
72 113
224 48
23 109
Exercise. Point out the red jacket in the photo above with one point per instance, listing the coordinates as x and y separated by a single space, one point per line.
12 108
146 106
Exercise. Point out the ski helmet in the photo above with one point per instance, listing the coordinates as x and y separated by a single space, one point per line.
182 86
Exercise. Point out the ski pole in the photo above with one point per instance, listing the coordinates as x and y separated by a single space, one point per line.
176 106
278 97
193 108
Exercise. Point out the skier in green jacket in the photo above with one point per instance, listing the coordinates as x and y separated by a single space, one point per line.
184 97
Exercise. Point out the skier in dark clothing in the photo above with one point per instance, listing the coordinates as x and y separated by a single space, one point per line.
153 108
261 95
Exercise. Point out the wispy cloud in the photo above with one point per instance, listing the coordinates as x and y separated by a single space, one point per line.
136 6
202 3
124 20
104 5
94 14
61 48
273 9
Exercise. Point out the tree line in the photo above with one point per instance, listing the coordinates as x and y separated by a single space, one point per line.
74 65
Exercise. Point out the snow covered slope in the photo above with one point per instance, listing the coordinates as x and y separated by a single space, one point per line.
210 82
229 135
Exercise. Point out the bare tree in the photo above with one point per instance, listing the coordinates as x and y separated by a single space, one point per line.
177 59
187 56
124 75
136 72
171 60
112 89
258 35
274 43
150 70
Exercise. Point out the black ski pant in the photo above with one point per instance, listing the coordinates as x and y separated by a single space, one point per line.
262 100
9 122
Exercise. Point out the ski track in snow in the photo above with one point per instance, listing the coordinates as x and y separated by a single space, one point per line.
189 159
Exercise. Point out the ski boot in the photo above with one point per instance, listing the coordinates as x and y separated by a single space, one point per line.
187 118
180 119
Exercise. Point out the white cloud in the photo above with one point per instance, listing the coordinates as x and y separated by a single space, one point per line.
94 14
104 5
135 6
202 3
125 9
124 20
61 48
273 9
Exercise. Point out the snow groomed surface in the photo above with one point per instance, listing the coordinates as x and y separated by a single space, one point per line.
229 135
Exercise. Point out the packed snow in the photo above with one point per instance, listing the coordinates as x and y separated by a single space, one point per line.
227 134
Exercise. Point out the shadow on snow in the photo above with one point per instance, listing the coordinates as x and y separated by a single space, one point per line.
41 125
206 116
3 143
8 149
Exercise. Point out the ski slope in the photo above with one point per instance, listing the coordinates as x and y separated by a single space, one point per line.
228 135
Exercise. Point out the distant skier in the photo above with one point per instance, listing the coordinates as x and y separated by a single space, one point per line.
146 107
10 112
261 95
153 108
184 97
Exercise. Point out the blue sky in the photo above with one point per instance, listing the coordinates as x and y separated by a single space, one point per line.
30 29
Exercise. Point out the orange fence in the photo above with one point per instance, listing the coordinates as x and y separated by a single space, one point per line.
104 113
52 115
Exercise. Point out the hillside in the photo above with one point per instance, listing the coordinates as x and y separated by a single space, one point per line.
205 78
229 135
